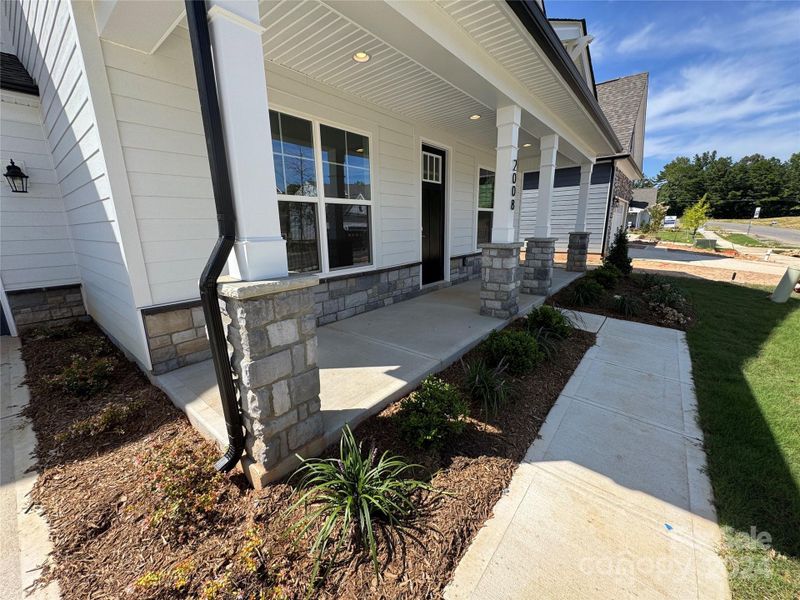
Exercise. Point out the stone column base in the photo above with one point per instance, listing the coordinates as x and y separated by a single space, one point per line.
577 251
272 331
537 276
499 280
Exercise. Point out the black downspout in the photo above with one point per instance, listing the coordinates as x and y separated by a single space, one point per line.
197 17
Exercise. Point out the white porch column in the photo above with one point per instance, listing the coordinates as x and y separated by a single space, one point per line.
260 251
583 196
578 247
505 175
547 174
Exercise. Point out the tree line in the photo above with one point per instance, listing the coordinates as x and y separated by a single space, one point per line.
732 189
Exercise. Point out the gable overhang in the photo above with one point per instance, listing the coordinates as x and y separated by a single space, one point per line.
535 21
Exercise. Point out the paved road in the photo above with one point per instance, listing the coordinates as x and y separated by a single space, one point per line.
613 500
789 237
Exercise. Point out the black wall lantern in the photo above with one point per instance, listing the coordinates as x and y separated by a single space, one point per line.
16 178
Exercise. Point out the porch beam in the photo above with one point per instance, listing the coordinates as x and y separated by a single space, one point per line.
260 250
547 174
583 196
505 175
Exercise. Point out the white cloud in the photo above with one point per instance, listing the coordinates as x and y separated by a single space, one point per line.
736 90
638 41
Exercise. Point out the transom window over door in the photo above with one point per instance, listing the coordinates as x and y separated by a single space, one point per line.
485 205
431 168
340 205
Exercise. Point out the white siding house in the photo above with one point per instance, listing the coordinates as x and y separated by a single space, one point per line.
121 199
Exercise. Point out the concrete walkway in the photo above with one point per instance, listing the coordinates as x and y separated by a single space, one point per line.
367 361
24 541
612 501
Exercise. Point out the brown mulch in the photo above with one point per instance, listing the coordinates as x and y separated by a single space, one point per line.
103 494
626 286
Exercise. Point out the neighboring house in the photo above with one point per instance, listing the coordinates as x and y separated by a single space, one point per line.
376 145
624 102
639 209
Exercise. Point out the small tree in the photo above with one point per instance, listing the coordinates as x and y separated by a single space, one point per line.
618 253
696 214
657 214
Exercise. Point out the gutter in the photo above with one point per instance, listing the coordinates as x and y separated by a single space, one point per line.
197 17
534 20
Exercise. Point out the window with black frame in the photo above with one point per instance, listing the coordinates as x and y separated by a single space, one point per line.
296 182
485 205
347 191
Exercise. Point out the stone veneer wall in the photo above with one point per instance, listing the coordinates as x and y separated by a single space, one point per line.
623 187
46 306
272 332
342 297
465 268
176 336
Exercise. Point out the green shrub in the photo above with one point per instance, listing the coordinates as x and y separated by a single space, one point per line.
432 413
665 294
548 319
83 376
353 492
515 348
618 253
648 280
627 306
608 275
486 384
586 292
546 342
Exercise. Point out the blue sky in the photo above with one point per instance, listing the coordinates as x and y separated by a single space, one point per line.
724 76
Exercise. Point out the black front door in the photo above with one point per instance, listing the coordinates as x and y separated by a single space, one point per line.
433 186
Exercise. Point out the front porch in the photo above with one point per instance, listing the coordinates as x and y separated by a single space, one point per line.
367 361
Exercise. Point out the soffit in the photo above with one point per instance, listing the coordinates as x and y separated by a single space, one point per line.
312 38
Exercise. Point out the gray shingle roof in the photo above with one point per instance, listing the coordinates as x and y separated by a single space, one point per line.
620 100
14 77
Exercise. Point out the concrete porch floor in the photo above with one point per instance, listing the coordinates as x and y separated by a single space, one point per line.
367 361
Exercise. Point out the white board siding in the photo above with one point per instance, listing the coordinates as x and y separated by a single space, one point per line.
563 212
45 39
161 131
35 246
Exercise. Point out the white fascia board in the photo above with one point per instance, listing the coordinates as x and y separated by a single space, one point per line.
427 35
139 25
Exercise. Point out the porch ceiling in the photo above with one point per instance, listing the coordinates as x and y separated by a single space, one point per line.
312 38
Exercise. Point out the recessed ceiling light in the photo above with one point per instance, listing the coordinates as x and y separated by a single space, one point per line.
526 145
361 56
474 117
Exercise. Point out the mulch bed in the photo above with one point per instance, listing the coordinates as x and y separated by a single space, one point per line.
631 287
103 492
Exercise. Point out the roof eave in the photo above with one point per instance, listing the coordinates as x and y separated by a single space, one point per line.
535 21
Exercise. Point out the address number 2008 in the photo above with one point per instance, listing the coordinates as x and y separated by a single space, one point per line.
513 184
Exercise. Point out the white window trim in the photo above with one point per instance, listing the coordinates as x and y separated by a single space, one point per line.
478 209
320 199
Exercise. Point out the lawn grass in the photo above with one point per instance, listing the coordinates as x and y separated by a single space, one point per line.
682 236
746 365
742 239
787 222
